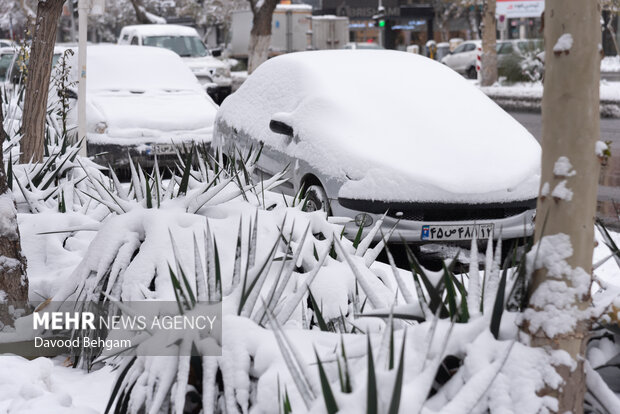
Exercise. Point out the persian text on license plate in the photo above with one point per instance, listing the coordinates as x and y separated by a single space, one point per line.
162 149
457 232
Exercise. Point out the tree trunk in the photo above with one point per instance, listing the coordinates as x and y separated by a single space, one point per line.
260 35
488 64
567 204
141 14
37 83
13 281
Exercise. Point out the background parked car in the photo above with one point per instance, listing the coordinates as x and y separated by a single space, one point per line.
517 59
14 63
141 101
213 74
359 151
463 58
362 45
443 50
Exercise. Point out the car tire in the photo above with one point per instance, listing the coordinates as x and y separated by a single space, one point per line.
316 200
471 73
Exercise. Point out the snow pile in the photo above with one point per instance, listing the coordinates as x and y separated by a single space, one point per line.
7 214
135 68
610 64
562 192
42 385
554 299
563 44
563 168
601 148
334 110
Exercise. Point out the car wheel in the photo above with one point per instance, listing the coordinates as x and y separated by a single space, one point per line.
316 200
471 73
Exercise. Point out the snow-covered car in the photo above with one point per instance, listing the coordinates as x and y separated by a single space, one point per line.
6 43
141 101
212 73
463 58
362 45
14 60
405 146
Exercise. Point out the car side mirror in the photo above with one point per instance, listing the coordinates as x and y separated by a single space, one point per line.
216 52
280 127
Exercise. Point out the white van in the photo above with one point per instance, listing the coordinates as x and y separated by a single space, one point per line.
213 74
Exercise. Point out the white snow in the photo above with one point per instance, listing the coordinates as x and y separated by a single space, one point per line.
609 91
610 64
46 386
600 148
562 192
555 312
563 168
8 224
160 30
135 68
564 43
401 139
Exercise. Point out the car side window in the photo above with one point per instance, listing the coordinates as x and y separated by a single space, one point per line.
5 64
469 47
134 40
506 49
459 49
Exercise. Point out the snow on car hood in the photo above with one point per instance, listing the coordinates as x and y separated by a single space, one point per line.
151 115
392 125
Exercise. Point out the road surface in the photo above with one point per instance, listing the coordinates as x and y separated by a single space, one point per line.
609 188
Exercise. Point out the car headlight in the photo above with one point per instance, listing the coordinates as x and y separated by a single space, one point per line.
363 220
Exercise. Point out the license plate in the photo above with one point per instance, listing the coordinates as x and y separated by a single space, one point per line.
165 149
457 232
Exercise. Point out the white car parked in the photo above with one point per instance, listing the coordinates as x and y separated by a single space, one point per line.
406 146
463 58
212 73
141 100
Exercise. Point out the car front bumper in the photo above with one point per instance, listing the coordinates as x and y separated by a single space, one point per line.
143 154
410 231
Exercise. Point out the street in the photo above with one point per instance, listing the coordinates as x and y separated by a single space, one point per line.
609 188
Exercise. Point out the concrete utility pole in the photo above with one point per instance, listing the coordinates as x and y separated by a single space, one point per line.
83 6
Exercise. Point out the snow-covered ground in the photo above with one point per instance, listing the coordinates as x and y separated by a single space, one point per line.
609 90
610 64
50 386
87 236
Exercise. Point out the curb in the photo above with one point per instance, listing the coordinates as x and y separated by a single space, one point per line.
608 108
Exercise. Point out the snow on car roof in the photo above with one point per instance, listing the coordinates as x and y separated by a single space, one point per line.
161 30
135 68
391 111
299 7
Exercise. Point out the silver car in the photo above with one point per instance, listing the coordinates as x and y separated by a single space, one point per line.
419 144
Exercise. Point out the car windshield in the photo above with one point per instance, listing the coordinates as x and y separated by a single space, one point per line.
184 46
442 51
